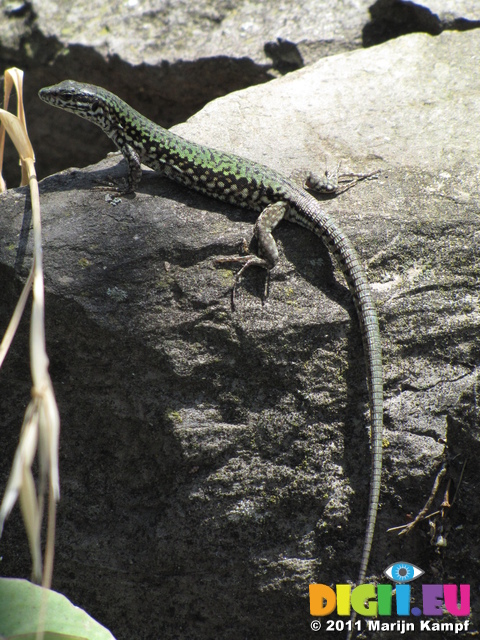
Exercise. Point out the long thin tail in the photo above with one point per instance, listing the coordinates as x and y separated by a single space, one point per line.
349 262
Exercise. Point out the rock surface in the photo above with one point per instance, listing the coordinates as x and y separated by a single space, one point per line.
168 59
215 463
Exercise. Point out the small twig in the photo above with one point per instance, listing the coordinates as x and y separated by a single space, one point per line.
446 503
405 529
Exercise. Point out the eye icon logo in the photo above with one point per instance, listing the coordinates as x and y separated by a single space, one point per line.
403 572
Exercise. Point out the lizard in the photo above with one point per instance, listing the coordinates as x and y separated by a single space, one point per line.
247 184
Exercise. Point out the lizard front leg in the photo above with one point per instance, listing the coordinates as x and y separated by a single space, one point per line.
134 166
134 175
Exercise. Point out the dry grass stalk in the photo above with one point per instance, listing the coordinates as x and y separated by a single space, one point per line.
41 424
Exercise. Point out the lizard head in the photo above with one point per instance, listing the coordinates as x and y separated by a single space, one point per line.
83 99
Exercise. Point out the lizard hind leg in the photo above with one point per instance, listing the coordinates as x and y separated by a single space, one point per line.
326 182
334 183
267 256
330 183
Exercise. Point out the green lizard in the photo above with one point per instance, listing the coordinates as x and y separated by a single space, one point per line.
247 184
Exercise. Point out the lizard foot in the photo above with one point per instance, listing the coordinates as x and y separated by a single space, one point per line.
334 183
249 260
120 188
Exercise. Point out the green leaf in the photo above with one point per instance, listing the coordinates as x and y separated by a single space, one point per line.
48 635
20 605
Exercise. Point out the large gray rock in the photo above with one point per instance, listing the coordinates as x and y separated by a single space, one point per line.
214 463
170 58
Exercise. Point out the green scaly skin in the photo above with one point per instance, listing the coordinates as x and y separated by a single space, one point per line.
247 184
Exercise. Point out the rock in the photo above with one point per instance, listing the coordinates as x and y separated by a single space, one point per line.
169 59
214 463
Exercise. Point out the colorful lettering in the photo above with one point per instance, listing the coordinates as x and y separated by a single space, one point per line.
370 600
322 599
451 602
432 599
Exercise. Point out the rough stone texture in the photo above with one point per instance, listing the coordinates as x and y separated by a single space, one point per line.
168 59
215 463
